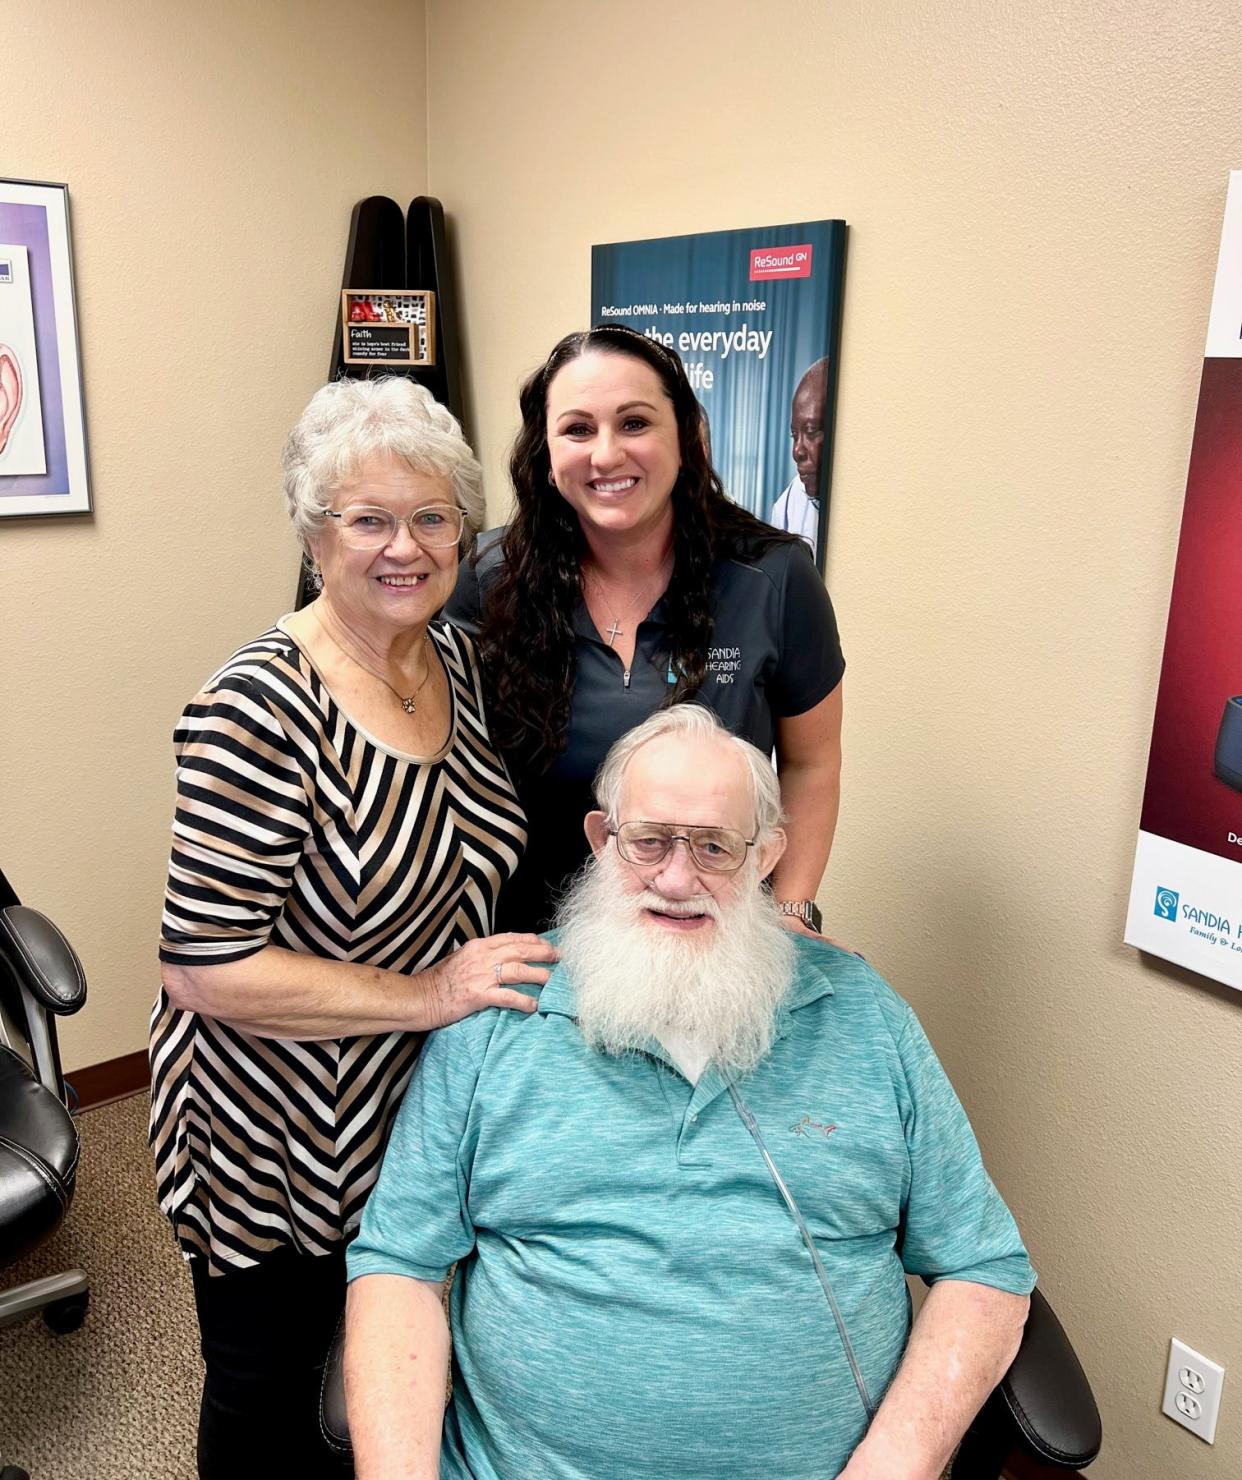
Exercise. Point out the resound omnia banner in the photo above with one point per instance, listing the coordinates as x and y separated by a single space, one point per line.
755 315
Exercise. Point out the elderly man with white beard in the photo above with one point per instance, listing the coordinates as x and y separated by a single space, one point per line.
683 1195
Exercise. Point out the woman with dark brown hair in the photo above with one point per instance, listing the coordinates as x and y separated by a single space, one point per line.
628 580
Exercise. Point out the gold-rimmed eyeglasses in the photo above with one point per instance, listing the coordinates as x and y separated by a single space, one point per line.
716 850
368 527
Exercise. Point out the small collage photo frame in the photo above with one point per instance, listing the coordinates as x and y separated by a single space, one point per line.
388 328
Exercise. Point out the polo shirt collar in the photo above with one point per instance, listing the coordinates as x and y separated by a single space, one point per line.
811 982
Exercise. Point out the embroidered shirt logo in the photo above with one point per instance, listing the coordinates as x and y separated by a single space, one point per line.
724 663
806 1127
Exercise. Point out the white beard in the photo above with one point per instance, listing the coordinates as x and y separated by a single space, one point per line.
635 981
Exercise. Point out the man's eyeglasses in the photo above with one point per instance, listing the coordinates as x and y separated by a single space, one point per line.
716 850
364 527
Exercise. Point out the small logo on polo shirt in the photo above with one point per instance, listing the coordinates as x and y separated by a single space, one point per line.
806 1127
725 663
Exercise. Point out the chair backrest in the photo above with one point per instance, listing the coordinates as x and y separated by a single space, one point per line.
41 979
14 1008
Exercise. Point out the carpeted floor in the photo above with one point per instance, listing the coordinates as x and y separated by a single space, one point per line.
117 1400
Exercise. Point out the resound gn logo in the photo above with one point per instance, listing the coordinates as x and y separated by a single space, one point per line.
1166 903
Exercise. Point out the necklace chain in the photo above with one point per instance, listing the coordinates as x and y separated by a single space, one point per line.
616 630
406 701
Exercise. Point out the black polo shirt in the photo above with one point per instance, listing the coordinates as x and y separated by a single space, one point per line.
774 652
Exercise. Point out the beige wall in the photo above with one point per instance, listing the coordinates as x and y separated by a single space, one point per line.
1035 196
213 154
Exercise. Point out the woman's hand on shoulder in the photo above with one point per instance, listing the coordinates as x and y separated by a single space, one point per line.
796 926
483 973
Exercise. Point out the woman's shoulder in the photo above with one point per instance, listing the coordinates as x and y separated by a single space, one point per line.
256 663
454 643
489 557
775 558
475 579
259 701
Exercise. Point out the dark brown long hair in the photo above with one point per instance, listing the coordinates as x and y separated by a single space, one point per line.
527 635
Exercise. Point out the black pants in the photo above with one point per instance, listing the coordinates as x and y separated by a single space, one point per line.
265 1335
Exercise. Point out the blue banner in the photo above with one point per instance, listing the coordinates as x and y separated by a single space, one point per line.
755 315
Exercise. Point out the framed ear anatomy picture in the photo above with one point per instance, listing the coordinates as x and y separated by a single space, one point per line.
43 462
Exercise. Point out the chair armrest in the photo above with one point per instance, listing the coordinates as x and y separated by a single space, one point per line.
42 960
1047 1396
333 1422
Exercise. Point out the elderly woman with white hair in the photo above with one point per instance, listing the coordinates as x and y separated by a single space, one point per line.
343 827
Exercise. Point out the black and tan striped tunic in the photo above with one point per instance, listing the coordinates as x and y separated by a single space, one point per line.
295 827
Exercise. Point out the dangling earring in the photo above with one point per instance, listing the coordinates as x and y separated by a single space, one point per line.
315 574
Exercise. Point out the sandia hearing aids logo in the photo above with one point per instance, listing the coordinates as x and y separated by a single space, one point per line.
1166 903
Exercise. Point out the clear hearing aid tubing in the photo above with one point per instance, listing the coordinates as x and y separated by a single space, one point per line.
749 1121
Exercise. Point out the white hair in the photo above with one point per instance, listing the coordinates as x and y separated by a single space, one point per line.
691 722
633 982
349 421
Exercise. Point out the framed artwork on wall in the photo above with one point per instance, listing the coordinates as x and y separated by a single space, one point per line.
43 462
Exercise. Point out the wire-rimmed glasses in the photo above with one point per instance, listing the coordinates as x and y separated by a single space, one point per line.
716 850
368 527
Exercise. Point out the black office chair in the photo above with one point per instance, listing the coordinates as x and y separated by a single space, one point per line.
40 978
1043 1408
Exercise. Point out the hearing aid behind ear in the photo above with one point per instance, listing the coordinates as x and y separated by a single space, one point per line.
10 393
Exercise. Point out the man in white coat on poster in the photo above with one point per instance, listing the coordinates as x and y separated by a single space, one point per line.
797 508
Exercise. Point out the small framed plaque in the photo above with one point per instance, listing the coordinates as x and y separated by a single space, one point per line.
388 328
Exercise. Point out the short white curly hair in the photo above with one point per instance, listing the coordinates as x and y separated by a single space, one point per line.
350 420
697 725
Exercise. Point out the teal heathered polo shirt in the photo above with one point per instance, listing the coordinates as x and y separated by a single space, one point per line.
632 1296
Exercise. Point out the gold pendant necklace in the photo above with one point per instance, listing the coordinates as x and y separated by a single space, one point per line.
406 701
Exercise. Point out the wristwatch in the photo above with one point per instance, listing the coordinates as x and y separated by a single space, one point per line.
806 910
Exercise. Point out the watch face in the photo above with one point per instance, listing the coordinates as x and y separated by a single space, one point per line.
813 918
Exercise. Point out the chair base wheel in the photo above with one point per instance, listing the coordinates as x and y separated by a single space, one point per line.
63 1316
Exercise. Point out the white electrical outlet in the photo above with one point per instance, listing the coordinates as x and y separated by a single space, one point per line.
1192 1390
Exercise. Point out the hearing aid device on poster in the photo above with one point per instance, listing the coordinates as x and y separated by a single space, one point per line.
1229 744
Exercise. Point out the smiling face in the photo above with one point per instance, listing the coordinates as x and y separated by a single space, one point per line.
613 445
673 780
381 593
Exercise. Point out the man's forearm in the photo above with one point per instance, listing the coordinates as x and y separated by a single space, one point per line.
963 1341
396 1363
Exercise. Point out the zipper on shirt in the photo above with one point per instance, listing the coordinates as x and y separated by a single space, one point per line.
625 679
